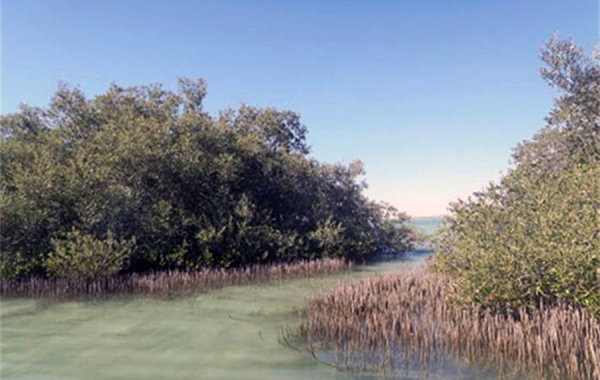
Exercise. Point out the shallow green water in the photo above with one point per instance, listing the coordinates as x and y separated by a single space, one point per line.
226 334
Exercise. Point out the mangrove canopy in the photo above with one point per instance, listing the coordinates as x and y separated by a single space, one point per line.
143 178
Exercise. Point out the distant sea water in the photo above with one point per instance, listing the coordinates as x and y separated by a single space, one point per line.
429 225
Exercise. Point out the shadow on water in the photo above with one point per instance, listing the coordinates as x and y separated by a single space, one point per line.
362 366
448 368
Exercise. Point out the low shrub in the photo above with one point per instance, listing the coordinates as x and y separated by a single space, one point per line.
81 256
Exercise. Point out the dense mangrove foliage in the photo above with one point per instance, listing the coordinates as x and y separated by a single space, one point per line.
534 237
142 179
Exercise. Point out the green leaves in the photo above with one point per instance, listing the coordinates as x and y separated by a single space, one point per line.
82 256
82 178
535 236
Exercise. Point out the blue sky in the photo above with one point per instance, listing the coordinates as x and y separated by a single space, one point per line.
431 95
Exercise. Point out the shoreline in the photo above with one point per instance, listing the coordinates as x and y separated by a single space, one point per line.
166 283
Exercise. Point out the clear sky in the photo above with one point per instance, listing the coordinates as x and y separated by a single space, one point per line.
431 95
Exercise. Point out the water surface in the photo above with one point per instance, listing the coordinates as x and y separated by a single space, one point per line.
230 333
